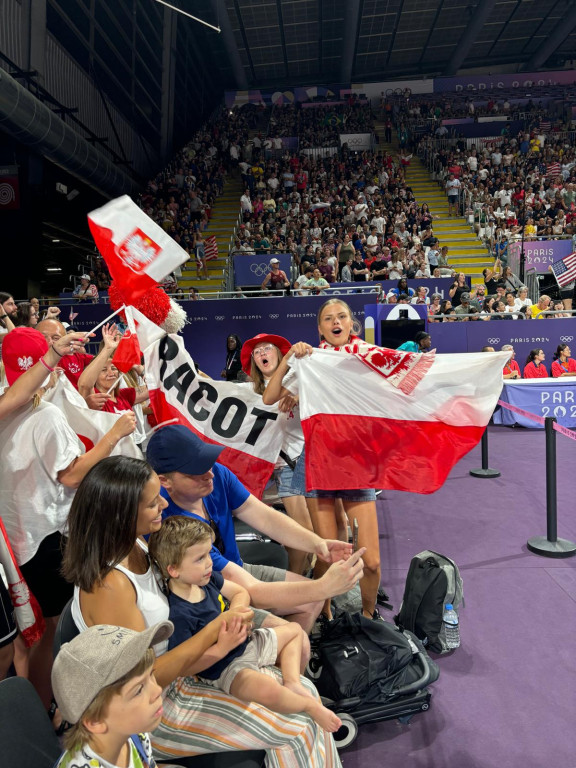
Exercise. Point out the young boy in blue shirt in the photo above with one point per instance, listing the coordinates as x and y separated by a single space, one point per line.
181 549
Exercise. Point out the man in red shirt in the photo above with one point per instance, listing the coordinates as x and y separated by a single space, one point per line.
72 365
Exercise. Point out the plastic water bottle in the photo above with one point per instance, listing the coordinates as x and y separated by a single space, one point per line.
450 619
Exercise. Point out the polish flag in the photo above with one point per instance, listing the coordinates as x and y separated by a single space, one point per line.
138 252
128 353
362 432
89 425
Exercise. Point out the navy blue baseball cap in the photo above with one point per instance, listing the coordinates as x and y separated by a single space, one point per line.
175 448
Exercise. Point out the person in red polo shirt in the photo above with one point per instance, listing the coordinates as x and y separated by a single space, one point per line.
564 364
535 368
511 369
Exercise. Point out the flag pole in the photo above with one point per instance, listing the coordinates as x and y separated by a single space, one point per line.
162 424
93 330
116 382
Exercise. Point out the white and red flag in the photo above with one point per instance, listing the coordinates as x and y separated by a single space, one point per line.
89 425
217 412
138 252
361 431
210 247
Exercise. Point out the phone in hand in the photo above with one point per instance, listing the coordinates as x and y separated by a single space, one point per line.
355 535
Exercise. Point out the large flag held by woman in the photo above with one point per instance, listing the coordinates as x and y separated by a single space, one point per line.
361 431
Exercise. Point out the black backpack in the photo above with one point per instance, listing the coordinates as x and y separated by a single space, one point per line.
368 659
432 581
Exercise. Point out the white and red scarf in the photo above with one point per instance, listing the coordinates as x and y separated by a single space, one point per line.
404 370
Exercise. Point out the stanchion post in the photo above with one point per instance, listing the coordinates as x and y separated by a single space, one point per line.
485 471
551 546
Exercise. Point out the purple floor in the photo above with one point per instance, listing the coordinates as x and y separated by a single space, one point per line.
507 697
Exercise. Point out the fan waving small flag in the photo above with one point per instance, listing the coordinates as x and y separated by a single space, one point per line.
565 269
210 247
128 352
138 252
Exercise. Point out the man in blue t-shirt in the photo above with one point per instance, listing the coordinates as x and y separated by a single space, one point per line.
195 485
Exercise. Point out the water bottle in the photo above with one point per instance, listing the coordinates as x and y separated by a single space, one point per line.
450 619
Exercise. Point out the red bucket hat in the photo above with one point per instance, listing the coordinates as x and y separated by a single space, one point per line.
21 349
248 347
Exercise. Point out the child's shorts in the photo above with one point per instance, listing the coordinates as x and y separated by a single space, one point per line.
261 651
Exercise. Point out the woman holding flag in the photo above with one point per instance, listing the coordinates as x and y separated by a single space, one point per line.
260 358
103 376
337 328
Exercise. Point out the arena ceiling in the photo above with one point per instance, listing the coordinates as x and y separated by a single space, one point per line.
291 42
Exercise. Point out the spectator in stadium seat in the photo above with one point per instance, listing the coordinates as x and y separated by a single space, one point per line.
538 311
101 376
511 369
86 290
346 271
276 278
27 315
563 364
106 594
535 368
43 462
72 365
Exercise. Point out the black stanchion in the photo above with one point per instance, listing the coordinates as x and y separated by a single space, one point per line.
485 471
551 546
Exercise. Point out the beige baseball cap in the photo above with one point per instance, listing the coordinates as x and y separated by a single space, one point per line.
98 657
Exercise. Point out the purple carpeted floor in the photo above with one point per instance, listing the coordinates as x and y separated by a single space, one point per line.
507 697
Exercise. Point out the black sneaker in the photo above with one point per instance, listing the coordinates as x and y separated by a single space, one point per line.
376 616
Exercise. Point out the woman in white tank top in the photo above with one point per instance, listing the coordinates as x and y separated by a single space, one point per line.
106 558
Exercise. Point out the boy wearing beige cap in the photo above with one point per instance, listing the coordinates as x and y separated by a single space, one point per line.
104 684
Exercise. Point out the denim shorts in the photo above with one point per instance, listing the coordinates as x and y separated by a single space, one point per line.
291 482
361 494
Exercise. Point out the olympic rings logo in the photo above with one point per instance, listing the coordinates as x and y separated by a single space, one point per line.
493 341
566 339
260 269
220 317
273 317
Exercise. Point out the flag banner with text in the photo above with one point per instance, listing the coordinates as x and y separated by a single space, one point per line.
217 411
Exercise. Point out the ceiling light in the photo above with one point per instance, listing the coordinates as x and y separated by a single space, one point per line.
53 269
55 241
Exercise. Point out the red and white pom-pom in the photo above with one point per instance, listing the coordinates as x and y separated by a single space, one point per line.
156 305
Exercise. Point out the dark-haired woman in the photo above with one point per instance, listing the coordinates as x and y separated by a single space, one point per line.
564 364
535 368
8 314
233 365
27 315
106 558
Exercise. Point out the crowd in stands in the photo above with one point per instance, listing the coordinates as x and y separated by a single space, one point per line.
321 125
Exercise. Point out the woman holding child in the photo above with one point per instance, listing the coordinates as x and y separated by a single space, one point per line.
106 558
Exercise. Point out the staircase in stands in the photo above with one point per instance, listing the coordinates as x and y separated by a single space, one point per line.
224 216
466 253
